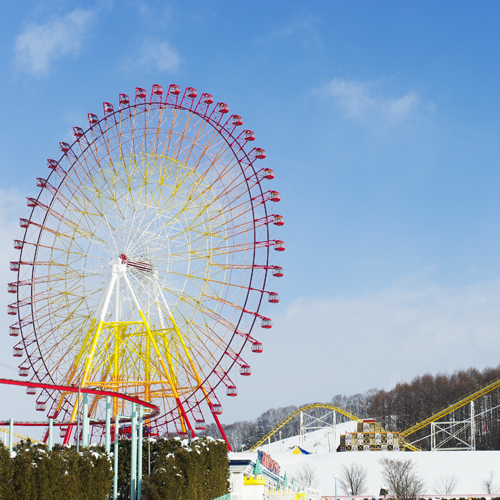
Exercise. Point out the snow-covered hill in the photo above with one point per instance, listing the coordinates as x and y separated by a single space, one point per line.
470 468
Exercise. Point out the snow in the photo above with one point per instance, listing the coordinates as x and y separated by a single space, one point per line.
469 467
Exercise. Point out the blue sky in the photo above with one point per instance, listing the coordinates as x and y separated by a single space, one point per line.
380 120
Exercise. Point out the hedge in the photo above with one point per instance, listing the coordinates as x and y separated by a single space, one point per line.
34 473
181 469
196 469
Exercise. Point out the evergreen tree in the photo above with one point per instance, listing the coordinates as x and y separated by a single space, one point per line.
6 474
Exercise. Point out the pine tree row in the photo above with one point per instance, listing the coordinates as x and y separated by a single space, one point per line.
196 469
34 473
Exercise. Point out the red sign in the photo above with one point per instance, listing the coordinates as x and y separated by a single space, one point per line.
267 462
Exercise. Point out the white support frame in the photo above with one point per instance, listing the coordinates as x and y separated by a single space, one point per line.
452 430
316 423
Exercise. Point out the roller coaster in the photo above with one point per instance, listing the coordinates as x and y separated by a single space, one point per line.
403 434
19 436
297 412
450 409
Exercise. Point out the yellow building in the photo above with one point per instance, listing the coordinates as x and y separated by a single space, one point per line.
371 436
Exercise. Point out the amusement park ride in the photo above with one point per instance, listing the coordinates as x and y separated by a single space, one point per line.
144 264
444 435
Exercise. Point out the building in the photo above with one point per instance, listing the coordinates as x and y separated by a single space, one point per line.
256 476
371 437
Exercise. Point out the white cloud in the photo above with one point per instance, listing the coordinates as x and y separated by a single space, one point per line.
39 45
156 55
155 14
360 100
320 347
305 25
302 28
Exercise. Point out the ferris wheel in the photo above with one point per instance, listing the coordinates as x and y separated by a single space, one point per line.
145 261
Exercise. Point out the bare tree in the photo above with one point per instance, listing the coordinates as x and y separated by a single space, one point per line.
307 476
402 478
353 477
446 484
488 485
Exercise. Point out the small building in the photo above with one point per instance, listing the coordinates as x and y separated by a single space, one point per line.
256 476
371 436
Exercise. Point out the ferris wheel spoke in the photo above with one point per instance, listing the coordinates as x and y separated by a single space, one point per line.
215 224
198 220
200 181
240 226
197 282
205 151
211 279
203 353
223 283
171 120
194 255
189 365
151 236
65 347
184 134
212 353
194 199
200 237
206 312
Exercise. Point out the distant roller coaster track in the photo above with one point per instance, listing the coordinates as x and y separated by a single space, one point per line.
404 434
297 412
455 406
20 436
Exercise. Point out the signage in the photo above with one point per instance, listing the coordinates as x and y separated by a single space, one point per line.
267 462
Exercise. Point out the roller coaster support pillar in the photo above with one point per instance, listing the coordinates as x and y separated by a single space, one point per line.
301 435
108 424
334 431
472 427
133 458
11 434
86 423
115 480
51 433
78 435
139 458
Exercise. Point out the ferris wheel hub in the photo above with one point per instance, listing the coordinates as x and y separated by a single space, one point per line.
118 268
141 264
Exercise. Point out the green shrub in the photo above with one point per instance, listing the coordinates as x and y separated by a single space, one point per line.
34 473
196 469
6 474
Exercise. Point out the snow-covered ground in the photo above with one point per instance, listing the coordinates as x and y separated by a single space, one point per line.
470 468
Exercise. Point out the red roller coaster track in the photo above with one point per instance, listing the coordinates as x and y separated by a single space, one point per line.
72 388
